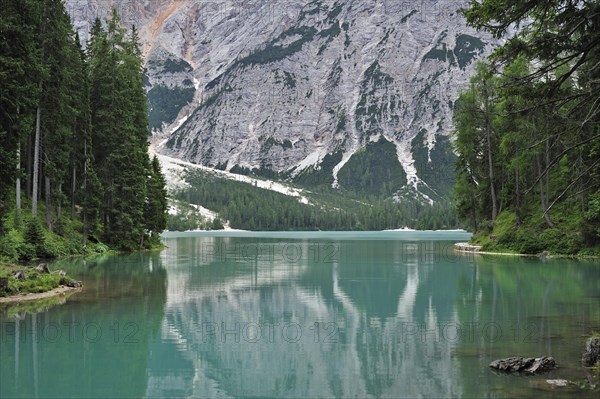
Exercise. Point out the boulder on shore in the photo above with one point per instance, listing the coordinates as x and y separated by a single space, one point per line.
519 364
43 268
20 275
591 356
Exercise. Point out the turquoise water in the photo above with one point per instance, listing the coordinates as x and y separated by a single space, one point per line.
391 314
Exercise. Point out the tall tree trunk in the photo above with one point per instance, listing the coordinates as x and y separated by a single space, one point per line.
547 196
29 167
36 159
543 202
517 197
18 179
501 205
48 202
491 171
18 188
474 214
73 189
85 193
59 204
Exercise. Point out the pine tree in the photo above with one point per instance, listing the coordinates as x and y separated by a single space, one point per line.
120 133
545 140
19 63
155 213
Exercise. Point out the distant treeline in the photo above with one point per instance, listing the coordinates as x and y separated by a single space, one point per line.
252 208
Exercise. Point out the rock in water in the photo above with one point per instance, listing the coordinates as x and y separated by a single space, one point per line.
519 364
43 268
591 356
558 383
541 365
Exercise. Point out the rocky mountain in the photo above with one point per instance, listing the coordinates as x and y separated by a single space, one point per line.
350 93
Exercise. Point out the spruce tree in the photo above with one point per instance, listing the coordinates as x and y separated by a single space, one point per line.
155 213
19 66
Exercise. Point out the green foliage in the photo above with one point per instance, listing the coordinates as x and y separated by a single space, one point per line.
20 69
467 49
263 171
217 224
370 108
184 221
526 132
78 120
269 142
156 205
10 244
164 103
435 166
34 282
374 170
273 52
251 208
590 224
444 54
119 138
35 240
170 65
321 175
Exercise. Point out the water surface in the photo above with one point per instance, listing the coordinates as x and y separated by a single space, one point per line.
390 314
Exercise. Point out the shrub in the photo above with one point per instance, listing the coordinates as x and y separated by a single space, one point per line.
9 245
217 224
34 236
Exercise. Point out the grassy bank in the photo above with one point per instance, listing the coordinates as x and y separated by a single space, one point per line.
532 236
27 241
16 280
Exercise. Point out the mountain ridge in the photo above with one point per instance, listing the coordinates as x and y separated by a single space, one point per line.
302 88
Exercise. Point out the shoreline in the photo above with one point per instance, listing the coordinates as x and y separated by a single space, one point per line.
24 297
467 248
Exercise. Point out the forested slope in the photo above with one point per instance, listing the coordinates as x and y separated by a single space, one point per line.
527 130
74 165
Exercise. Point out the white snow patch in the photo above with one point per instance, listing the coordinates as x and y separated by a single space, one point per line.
401 229
430 144
176 127
408 164
345 158
205 212
374 139
311 159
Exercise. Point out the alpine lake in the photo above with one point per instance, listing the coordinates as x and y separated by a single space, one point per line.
304 315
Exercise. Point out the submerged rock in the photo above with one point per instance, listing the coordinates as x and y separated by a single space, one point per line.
519 364
554 385
558 383
591 356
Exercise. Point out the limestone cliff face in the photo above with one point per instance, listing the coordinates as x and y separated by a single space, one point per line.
285 85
